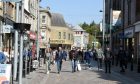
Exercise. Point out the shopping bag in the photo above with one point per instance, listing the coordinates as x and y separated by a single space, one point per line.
79 67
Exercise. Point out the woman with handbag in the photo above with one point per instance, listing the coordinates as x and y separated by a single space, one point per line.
48 59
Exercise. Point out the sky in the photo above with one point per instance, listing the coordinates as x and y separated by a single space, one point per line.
76 11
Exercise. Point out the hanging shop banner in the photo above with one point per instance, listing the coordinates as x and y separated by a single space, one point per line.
116 18
32 35
5 72
129 32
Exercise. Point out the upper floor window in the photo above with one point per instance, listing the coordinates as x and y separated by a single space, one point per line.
59 35
64 35
43 19
68 36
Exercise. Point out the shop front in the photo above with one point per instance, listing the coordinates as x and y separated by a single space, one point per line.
129 38
137 45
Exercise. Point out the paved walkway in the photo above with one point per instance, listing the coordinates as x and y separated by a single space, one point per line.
88 76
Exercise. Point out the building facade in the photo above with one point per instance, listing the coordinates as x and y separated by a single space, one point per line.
45 27
81 38
128 34
61 34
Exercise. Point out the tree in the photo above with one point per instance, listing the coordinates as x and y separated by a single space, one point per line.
92 29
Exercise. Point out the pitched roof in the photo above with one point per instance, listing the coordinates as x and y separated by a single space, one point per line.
78 28
57 20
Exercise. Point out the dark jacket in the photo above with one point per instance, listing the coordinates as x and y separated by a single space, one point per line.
72 54
107 55
87 55
122 55
59 56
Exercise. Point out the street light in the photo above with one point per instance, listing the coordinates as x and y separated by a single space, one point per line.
103 46
110 29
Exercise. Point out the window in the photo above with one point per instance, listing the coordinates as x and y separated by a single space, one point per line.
43 19
59 35
69 37
64 35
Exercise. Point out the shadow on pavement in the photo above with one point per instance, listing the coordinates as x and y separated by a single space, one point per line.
114 76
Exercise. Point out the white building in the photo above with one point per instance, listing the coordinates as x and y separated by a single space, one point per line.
81 37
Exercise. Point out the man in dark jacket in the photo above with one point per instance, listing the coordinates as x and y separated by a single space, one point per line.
122 59
107 59
59 59
88 58
73 58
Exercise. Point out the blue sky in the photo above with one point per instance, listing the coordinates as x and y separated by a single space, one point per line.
76 11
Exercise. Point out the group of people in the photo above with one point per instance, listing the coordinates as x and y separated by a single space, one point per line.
55 56
77 56
122 57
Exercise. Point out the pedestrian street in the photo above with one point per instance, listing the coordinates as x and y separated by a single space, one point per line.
85 76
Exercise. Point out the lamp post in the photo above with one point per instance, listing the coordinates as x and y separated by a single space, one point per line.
103 37
38 30
110 29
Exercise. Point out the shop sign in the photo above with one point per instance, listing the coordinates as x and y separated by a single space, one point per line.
129 33
57 41
137 28
7 29
5 72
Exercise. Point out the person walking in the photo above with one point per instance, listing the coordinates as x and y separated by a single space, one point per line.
48 59
73 58
65 54
122 59
107 59
59 59
100 57
88 58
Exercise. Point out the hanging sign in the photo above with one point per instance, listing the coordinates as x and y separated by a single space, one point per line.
7 29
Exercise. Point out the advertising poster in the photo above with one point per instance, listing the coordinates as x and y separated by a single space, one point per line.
5 72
